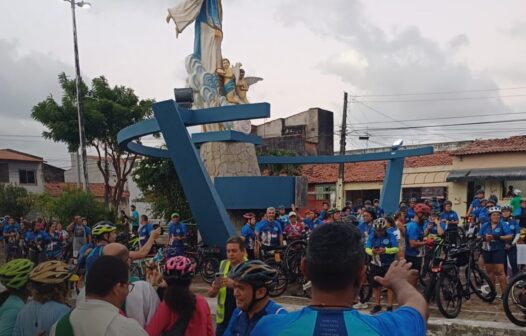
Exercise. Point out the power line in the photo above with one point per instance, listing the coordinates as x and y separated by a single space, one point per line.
448 125
439 99
438 92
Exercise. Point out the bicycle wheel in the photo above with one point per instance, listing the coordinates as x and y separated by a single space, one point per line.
297 247
280 284
430 289
448 295
514 300
209 269
481 285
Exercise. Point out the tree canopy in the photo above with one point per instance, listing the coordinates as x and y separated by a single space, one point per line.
107 110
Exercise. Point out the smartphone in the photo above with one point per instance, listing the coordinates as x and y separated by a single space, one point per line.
219 275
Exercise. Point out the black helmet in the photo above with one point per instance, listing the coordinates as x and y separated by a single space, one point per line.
255 273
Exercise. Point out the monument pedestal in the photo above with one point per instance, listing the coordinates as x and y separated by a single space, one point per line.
230 159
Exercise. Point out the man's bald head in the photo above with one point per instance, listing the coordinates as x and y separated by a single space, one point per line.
116 250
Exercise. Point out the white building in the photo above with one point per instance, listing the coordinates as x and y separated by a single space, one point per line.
22 169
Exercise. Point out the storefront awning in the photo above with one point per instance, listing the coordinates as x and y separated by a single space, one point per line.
513 173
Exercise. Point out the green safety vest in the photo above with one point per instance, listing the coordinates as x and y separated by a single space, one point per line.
224 268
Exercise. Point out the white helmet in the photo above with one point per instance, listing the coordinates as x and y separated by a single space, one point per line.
494 209
517 191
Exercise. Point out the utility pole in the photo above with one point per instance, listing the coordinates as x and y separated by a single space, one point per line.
340 198
80 111
107 176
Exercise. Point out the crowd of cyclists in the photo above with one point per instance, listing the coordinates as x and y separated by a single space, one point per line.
46 265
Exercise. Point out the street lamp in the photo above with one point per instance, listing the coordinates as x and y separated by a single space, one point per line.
80 111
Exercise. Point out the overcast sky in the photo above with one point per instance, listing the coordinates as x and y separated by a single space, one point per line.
307 51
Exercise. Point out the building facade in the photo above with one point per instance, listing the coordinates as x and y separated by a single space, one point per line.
22 169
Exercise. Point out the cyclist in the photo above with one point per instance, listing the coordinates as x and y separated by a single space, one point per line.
80 233
103 233
10 232
269 231
178 234
382 246
482 212
181 312
335 264
40 243
251 281
222 287
379 210
49 290
366 224
435 227
414 237
248 234
411 209
14 275
511 246
295 229
282 217
144 232
311 221
495 233
449 217
475 204
54 248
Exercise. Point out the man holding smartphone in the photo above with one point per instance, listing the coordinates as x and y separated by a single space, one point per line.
223 286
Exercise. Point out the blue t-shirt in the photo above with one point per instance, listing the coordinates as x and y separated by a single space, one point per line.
177 230
93 255
55 246
387 240
449 216
512 225
249 233
410 214
284 221
28 236
475 205
36 317
413 232
482 215
10 229
434 229
135 218
269 233
500 230
365 229
342 322
240 325
42 238
312 224
379 212
144 233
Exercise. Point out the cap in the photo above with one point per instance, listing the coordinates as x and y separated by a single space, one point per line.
175 214
292 213
249 215
281 207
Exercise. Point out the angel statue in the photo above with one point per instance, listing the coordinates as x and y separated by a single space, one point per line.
208 17
242 85
227 74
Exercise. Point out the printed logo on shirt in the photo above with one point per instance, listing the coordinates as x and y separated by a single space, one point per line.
386 241
497 230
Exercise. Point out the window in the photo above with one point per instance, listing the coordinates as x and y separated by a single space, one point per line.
323 191
424 193
512 185
27 176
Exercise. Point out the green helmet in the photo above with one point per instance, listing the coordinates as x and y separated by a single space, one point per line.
15 273
255 273
103 227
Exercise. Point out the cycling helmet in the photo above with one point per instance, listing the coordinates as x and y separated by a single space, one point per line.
15 273
380 224
506 207
50 272
178 268
255 273
480 191
103 227
494 209
422 208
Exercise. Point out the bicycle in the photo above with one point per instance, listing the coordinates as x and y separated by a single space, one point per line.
206 260
514 300
272 256
450 290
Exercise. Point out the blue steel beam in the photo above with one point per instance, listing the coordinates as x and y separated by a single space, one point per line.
390 195
206 205
225 136
324 159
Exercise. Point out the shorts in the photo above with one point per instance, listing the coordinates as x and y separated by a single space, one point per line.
375 270
416 262
494 257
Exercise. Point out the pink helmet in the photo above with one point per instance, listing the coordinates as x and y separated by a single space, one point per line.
179 268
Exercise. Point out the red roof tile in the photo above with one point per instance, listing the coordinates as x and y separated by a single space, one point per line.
371 171
13 155
97 189
511 144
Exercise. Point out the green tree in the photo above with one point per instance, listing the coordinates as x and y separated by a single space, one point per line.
70 203
275 169
158 181
107 110
15 201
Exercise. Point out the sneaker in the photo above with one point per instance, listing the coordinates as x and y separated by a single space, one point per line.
376 309
485 289
389 309
360 305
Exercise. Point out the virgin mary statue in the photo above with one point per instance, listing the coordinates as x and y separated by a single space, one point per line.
207 15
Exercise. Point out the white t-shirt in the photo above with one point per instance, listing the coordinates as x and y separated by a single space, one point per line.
100 318
141 303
